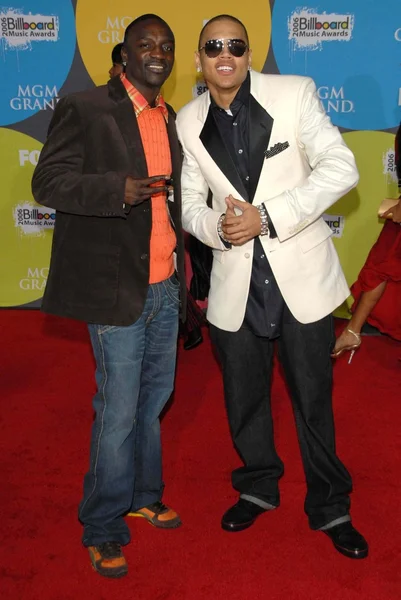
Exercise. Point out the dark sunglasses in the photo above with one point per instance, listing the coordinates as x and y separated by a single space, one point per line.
213 48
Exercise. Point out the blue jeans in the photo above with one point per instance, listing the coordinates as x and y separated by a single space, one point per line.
135 368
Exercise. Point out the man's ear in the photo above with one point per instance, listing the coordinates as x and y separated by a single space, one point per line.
249 58
198 62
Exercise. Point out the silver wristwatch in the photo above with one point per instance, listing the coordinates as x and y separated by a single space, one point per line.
264 220
219 227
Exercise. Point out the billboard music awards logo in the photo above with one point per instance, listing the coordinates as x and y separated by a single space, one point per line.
33 220
19 30
367 66
336 224
334 100
389 169
309 29
33 69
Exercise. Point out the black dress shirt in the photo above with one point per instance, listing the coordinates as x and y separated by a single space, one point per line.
265 305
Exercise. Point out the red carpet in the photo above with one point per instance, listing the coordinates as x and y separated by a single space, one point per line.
47 384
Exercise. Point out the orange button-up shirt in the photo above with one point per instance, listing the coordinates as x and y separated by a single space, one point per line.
152 127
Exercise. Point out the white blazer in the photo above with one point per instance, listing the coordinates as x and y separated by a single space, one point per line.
308 167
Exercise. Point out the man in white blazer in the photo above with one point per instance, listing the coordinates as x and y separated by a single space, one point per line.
264 147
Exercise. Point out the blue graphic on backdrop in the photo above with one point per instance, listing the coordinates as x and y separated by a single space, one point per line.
353 52
37 45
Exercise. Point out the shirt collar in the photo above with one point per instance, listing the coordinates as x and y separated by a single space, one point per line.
241 97
140 103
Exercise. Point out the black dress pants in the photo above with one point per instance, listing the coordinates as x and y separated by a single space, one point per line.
304 352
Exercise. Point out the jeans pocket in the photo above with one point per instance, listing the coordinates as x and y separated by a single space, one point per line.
172 287
101 329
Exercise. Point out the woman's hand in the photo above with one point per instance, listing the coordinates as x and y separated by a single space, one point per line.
394 212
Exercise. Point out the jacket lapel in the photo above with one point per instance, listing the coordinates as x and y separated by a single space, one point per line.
260 128
214 144
176 162
124 116
176 155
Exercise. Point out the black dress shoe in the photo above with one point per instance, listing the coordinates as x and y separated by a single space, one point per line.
194 338
241 516
348 540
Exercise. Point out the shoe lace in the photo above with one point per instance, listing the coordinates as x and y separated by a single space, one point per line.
159 507
110 549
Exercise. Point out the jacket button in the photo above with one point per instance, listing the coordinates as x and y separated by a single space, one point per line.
144 256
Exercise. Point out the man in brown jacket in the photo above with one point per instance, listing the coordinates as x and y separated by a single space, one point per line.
117 263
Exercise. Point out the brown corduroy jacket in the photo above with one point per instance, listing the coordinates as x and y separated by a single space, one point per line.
99 270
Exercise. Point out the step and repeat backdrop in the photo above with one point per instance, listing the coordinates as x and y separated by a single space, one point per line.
50 49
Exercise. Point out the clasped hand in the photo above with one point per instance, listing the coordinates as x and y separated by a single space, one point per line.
240 229
138 190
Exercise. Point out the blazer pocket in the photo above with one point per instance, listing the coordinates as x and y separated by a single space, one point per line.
90 275
313 235
278 149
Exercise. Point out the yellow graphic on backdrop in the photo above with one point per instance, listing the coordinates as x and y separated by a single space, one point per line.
101 26
26 226
374 155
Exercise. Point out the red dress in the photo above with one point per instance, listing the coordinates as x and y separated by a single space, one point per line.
383 264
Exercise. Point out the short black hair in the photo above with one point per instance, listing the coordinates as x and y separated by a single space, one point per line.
147 17
223 18
116 57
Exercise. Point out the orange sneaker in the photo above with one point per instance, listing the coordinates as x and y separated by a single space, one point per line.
108 559
159 515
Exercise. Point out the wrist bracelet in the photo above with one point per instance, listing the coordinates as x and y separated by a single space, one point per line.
264 220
